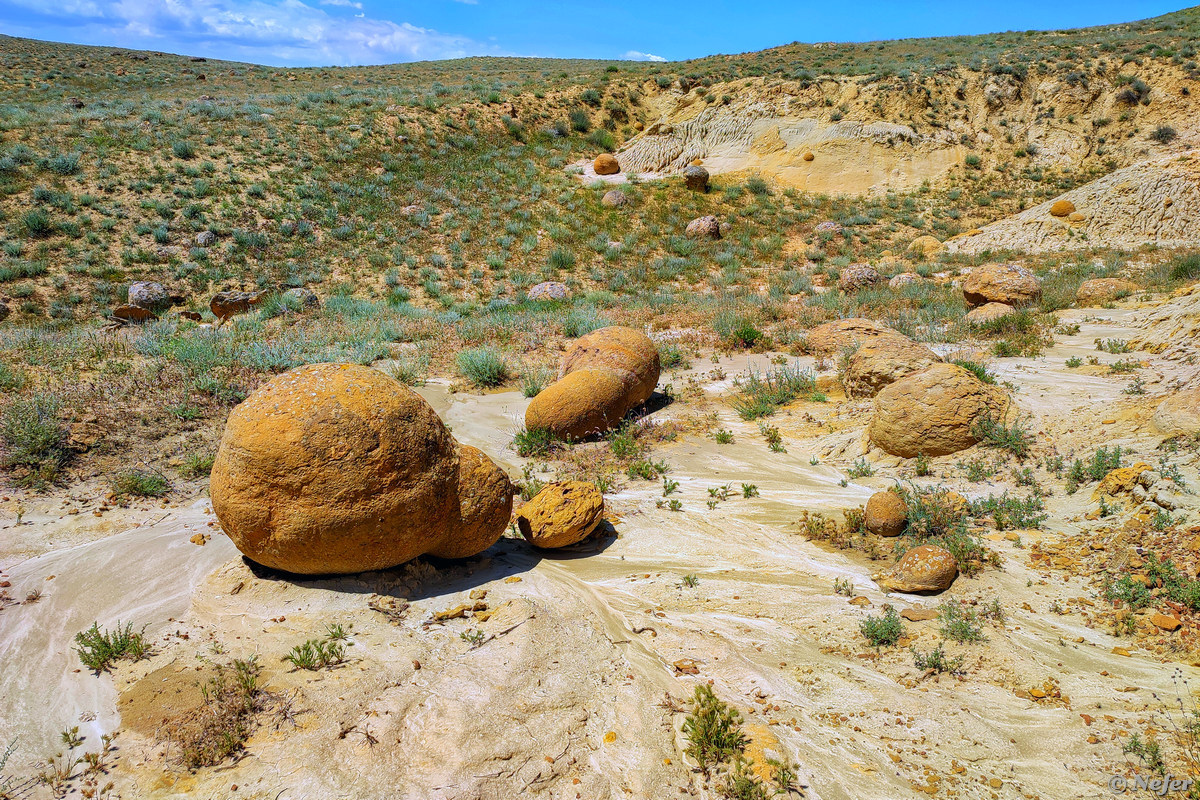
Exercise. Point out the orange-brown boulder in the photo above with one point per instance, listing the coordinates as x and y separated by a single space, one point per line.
606 164
882 361
923 569
988 312
335 468
485 501
226 304
1099 291
561 514
934 412
1010 284
703 228
1179 414
624 350
1062 208
886 514
830 338
579 405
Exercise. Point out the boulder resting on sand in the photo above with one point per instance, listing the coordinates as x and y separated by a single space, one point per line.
988 312
1179 414
603 376
1062 208
149 295
606 164
1010 284
882 361
549 290
927 568
829 338
934 412
561 514
337 468
886 514
226 304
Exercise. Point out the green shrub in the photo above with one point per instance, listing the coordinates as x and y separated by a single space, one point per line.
883 630
1186 268
98 649
183 149
761 394
37 223
671 357
140 483
532 442
33 436
959 622
316 654
483 366
535 379
713 729
992 432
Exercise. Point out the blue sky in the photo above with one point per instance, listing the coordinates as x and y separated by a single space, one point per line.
343 32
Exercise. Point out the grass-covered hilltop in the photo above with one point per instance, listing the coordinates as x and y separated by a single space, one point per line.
816 422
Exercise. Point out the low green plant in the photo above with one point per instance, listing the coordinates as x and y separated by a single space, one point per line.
713 729
532 442
1014 437
959 622
33 438
483 366
884 630
140 483
936 660
316 654
99 648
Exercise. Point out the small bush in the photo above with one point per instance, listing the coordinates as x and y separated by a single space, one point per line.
64 164
937 660
991 432
1163 134
959 622
483 366
883 630
183 149
140 483
316 654
219 728
531 442
33 436
535 379
1186 268
761 394
37 224
713 729
98 649
671 357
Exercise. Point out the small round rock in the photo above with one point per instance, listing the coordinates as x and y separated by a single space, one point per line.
886 514
561 514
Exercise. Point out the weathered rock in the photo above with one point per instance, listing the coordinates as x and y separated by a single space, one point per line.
135 314
579 405
830 338
905 279
606 164
884 360
695 178
926 247
1121 480
886 514
828 226
4 310
704 228
561 514
226 304
1011 284
306 298
485 501
614 198
193 316
933 412
1062 208
988 312
149 295
1165 622
927 568
549 290
1099 291
1179 414
808 155
334 468
858 276
628 352
206 239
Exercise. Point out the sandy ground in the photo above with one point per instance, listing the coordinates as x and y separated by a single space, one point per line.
564 697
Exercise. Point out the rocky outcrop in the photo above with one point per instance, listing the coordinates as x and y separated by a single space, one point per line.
602 377
1179 414
149 295
883 361
561 514
925 247
1153 202
336 468
1099 291
934 412
1010 284
886 514
927 569
133 314
606 164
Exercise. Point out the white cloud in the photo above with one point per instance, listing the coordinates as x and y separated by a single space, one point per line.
636 55
264 31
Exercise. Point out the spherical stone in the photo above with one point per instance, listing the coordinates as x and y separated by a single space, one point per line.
334 468
1062 208
624 350
886 514
561 514
581 404
485 500
606 164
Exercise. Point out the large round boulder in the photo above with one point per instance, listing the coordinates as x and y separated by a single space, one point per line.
1010 284
485 501
1062 208
924 569
858 276
988 312
704 228
626 351
882 361
336 468
934 412
829 338
886 514
606 164
561 514
579 405
1099 291
149 295
1179 414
